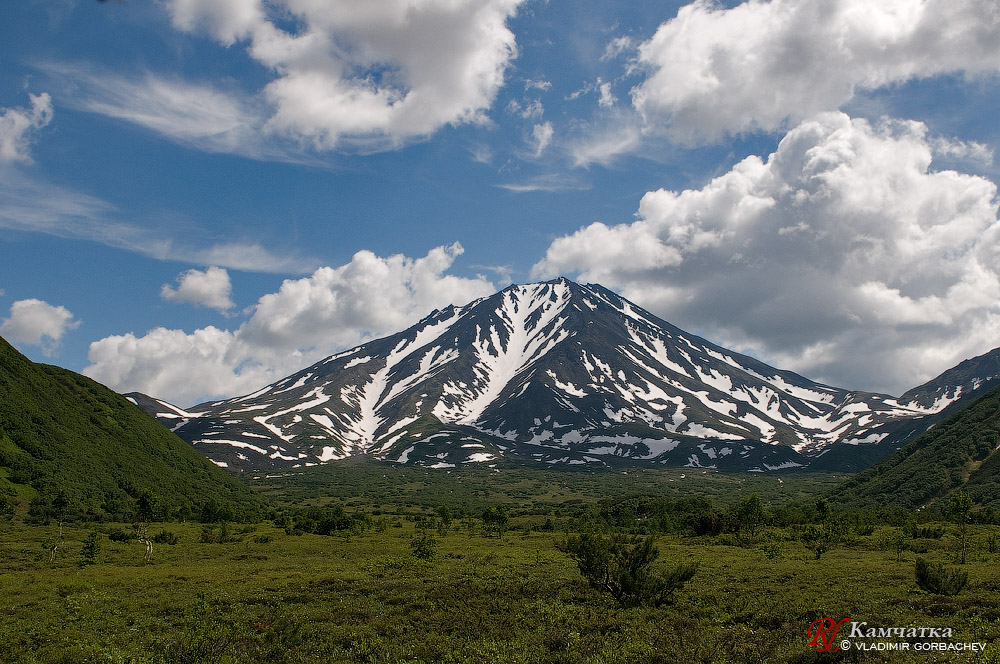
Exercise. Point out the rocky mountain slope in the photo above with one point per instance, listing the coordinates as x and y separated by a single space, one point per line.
556 373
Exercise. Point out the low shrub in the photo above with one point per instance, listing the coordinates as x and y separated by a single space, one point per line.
938 580
622 566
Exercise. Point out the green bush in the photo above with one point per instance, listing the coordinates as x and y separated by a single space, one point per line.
622 567
120 535
166 537
938 580
424 547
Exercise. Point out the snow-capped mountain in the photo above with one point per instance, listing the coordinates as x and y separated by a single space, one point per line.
552 372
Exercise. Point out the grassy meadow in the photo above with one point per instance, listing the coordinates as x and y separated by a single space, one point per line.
405 582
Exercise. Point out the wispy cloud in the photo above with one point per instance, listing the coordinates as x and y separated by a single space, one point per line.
32 205
196 115
547 182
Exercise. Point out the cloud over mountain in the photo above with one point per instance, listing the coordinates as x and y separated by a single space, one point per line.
304 320
843 255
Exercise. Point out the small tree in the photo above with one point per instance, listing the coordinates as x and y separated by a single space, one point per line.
820 539
822 510
496 520
938 580
900 541
750 515
959 509
145 511
444 519
91 549
622 567
6 509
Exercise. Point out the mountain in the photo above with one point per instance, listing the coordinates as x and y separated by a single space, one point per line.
959 452
76 446
553 372
942 397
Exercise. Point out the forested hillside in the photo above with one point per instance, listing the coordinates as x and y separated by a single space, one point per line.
74 448
958 452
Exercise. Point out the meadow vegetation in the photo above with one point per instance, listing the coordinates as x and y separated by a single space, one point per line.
370 563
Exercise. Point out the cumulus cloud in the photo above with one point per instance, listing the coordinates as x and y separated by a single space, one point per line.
209 288
717 71
18 124
843 256
366 75
37 323
161 363
305 320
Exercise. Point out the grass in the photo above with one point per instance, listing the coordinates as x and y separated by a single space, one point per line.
267 596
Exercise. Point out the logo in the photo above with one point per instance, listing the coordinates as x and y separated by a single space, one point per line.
823 633
829 635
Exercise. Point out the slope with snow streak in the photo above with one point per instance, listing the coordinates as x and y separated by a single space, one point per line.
529 326
373 395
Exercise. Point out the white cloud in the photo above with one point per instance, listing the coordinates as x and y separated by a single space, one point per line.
37 323
542 136
162 362
718 71
966 151
18 124
209 288
842 256
367 75
227 20
307 319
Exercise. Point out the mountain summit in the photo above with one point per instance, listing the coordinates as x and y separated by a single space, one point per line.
552 372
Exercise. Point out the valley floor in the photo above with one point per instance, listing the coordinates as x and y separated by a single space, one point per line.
255 593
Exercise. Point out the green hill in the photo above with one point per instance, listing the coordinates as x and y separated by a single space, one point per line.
958 452
76 449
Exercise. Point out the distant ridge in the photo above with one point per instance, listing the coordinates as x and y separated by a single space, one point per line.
959 453
82 450
547 373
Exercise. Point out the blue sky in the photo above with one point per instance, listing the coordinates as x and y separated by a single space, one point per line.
232 190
